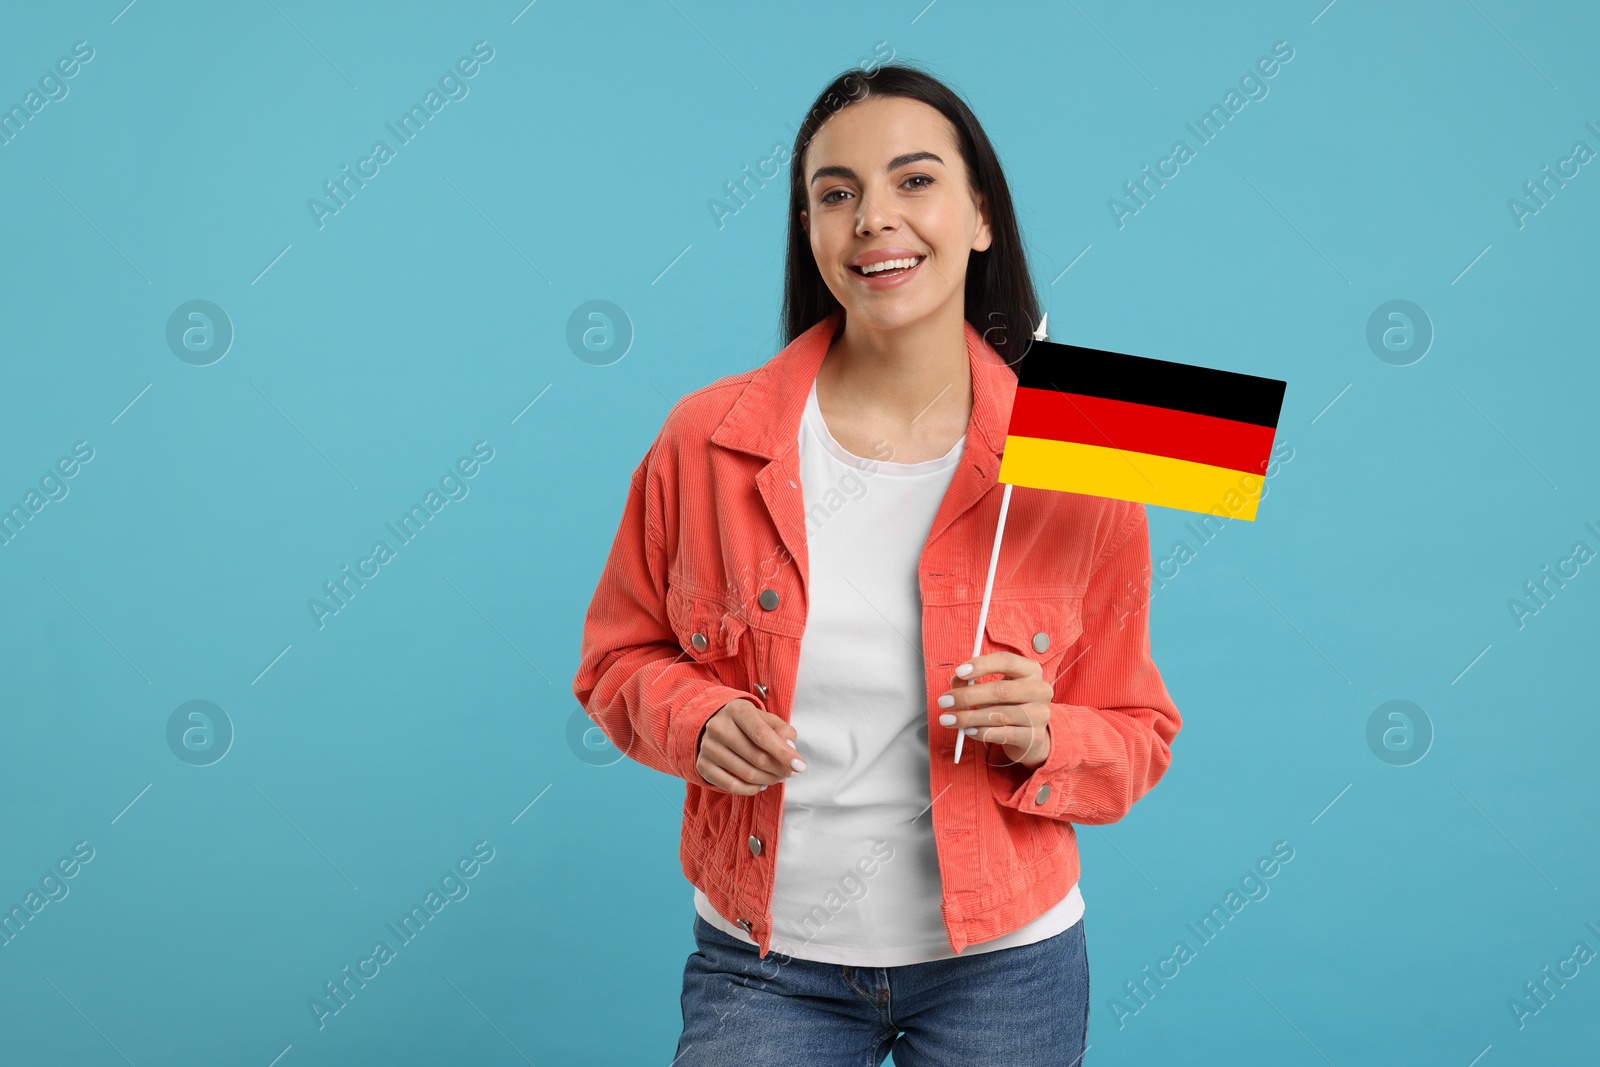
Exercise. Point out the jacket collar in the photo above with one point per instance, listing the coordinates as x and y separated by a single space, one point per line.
765 419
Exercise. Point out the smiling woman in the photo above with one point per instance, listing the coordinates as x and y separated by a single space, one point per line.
813 714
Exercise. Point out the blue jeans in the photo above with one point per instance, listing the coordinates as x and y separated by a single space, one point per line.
1026 1006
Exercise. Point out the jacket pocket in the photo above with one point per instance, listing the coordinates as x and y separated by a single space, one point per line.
708 814
705 628
1038 628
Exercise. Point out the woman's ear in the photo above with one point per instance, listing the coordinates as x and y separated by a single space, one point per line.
805 224
983 238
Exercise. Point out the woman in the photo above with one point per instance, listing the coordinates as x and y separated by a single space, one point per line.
800 562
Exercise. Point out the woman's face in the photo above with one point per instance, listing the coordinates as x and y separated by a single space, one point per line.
885 176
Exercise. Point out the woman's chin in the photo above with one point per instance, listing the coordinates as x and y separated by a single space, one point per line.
888 314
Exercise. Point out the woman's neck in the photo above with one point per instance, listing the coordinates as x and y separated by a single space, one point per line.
910 388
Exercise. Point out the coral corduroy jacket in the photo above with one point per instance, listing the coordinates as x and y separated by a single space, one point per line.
702 600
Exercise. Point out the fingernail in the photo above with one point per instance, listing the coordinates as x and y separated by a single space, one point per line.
963 670
798 764
791 744
972 731
763 787
947 701
947 720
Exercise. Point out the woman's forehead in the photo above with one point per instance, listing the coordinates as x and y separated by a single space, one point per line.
882 129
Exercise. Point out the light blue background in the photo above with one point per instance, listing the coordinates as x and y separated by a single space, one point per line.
436 707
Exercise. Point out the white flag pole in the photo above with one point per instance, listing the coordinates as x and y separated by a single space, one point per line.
988 587
994 558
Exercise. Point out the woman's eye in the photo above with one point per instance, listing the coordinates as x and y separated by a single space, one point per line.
828 197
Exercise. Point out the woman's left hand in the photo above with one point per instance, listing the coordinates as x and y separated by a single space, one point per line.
1010 711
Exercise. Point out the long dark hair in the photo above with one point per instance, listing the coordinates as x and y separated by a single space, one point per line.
1000 299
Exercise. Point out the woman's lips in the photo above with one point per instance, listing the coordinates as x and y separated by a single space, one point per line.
889 279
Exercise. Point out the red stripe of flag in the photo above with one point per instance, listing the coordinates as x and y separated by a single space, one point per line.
1092 420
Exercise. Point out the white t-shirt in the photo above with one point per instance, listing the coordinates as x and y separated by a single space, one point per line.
860 712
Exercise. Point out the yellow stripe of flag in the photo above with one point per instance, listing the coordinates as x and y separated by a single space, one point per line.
1123 475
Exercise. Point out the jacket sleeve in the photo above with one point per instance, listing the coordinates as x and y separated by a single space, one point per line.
634 679
1112 722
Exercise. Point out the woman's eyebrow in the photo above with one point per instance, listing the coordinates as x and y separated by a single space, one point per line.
893 164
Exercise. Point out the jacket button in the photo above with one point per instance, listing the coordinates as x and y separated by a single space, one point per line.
755 845
768 599
761 690
1041 642
1042 795
746 924
699 642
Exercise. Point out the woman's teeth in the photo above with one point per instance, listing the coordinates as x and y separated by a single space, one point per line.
888 265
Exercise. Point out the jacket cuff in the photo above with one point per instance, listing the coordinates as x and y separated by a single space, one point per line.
683 744
1044 790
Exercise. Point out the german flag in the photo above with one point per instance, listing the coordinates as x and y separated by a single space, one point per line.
1132 428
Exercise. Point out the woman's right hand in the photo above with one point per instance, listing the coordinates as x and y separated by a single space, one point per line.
744 749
